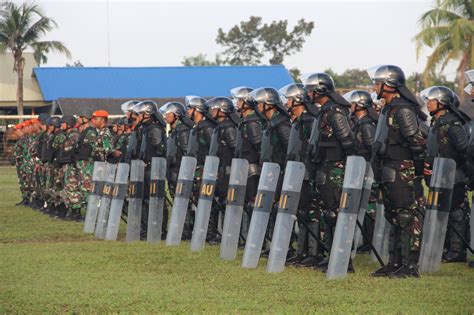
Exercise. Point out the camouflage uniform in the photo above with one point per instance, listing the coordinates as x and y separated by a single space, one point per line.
57 181
70 194
98 144
19 160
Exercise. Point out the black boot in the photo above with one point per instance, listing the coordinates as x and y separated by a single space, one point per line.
309 261
405 271
409 258
457 249
23 201
394 262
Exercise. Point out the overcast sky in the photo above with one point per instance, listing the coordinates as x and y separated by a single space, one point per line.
347 34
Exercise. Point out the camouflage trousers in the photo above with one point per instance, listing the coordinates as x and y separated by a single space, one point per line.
26 170
48 182
71 193
39 180
398 182
21 179
56 184
84 172
329 179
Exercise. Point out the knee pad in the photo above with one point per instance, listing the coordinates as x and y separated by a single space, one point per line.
456 215
331 217
404 218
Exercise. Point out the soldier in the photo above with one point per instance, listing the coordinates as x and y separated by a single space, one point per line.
174 114
248 146
198 146
70 194
47 158
39 170
120 140
57 205
470 151
19 160
335 142
398 160
152 144
275 137
224 135
448 138
302 114
364 118
94 144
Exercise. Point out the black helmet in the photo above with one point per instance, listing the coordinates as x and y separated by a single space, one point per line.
176 108
122 121
294 91
360 97
389 75
43 118
197 102
266 95
444 95
320 83
85 112
69 120
54 121
128 105
241 92
224 104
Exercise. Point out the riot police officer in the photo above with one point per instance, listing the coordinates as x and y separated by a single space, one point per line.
152 144
329 149
223 145
174 114
248 146
364 118
398 156
448 138
302 114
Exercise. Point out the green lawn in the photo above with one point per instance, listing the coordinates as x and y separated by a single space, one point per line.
50 266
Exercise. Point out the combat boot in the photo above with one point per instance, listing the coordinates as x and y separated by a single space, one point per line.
405 271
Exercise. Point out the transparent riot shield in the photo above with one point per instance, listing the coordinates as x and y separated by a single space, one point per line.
346 219
98 175
234 208
364 202
135 196
105 199
157 199
435 222
381 232
286 216
118 196
184 187
206 195
261 213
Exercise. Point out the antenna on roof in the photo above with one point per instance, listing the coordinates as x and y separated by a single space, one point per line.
108 33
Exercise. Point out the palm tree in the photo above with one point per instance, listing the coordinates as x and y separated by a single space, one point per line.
448 29
21 28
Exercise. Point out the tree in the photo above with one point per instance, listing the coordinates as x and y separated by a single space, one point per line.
350 78
448 29
200 60
247 43
21 27
415 82
75 64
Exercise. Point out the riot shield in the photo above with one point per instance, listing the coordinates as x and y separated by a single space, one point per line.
261 213
118 196
104 208
286 216
234 208
184 187
437 213
135 196
206 195
346 219
93 203
364 201
381 232
381 133
157 199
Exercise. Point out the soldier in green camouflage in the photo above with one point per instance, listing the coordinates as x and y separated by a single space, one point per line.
70 195
59 210
18 158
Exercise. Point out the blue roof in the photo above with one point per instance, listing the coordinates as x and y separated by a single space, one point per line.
154 82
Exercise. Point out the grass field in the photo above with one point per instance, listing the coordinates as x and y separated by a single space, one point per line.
50 266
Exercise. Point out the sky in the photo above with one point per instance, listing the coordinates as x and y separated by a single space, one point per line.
347 34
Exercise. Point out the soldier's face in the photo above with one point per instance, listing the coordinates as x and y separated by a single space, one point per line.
169 118
63 126
377 87
190 112
432 105
214 112
261 107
